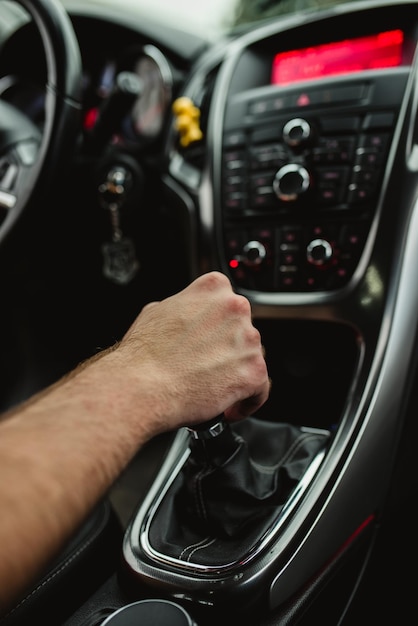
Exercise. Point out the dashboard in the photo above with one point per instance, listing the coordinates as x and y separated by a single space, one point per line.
282 190
159 71
147 111
301 151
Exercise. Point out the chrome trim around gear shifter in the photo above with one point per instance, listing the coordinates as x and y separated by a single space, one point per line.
137 538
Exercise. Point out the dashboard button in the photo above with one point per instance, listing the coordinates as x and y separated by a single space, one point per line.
339 124
379 120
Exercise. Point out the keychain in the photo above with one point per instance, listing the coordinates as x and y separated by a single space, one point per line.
120 263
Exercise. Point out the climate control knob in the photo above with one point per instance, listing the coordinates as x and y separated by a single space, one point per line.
253 253
297 132
319 252
291 181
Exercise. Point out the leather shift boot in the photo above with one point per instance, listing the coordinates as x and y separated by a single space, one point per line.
231 490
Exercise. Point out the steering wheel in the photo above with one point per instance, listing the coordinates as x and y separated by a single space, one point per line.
30 157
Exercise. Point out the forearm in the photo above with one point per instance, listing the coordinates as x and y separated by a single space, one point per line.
59 454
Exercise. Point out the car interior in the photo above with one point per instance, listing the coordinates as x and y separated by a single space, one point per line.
136 155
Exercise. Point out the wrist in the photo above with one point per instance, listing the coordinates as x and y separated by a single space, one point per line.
131 393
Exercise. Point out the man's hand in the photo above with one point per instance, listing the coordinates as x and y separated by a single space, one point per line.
202 353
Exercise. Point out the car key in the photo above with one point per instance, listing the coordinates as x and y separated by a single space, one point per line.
120 263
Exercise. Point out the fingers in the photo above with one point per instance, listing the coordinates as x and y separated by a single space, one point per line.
150 305
212 281
252 377
248 406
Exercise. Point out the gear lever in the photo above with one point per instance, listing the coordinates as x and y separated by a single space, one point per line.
208 430
212 442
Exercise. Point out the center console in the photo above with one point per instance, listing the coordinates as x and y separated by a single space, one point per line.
302 169
217 508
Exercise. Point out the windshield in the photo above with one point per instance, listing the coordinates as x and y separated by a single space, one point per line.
214 18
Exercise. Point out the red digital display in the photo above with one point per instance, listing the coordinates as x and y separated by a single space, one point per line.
373 52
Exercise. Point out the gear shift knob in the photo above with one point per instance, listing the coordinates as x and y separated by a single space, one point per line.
212 442
208 430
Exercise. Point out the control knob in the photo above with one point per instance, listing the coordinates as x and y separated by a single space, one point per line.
297 132
253 254
291 181
319 252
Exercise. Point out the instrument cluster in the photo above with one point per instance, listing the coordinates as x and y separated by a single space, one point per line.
139 122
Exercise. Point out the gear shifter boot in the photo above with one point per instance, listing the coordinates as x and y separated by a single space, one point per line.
231 489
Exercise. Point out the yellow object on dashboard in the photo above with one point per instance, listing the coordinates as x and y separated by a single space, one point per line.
187 121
